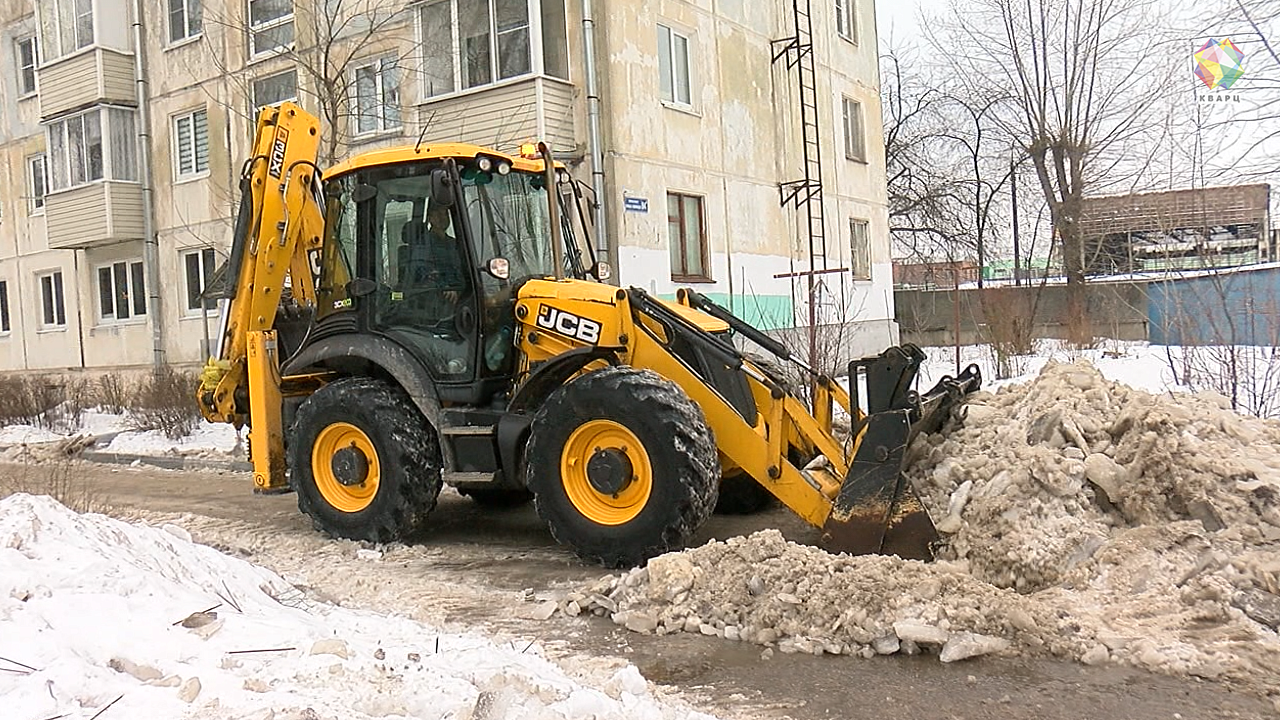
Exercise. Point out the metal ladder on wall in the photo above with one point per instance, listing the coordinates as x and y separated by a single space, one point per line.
805 193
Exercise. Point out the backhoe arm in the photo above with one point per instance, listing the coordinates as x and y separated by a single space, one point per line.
279 227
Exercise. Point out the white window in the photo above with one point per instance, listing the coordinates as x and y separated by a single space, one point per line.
270 26
855 141
469 43
673 66
53 312
200 266
184 19
66 26
860 249
4 306
121 291
847 20
377 90
28 56
80 152
275 89
37 183
191 144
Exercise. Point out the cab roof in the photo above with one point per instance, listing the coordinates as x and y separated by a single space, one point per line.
433 151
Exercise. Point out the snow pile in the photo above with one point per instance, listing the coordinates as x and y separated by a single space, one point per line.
1081 519
96 610
207 439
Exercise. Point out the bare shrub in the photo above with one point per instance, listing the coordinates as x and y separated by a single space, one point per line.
165 401
58 480
113 393
1009 328
24 399
67 416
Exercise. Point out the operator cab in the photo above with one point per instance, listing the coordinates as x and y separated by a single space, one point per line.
429 249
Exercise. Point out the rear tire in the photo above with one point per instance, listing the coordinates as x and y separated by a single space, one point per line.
654 469
498 498
364 461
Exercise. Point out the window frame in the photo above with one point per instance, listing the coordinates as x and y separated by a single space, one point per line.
532 26
206 265
176 150
36 200
383 65
682 274
270 76
253 29
6 318
23 91
192 31
134 296
672 66
51 21
108 150
860 229
847 20
855 128
57 304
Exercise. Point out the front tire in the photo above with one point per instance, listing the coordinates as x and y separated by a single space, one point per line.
622 466
364 461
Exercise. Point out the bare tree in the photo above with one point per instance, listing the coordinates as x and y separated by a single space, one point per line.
353 58
1085 77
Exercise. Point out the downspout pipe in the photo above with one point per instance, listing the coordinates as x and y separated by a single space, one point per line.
151 244
593 129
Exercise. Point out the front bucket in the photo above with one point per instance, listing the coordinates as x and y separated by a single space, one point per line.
877 510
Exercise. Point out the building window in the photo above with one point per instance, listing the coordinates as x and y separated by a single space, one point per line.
67 26
4 306
121 291
77 155
855 141
377 96
847 20
687 236
28 56
191 144
270 26
53 312
469 43
860 249
184 19
275 89
200 267
36 183
673 66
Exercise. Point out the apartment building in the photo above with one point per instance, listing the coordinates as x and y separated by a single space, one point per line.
740 146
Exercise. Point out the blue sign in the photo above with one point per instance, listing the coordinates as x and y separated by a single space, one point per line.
635 204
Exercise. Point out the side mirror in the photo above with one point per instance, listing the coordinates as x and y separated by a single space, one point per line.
442 188
360 287
499 268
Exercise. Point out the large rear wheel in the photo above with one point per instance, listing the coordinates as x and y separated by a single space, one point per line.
363 460
622 466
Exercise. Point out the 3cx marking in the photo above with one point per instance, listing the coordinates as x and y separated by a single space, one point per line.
566 323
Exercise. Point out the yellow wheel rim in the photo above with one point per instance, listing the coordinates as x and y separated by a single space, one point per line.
606 508
346 497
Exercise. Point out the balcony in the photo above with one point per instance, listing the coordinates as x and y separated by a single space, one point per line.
96 214
503 115
91 76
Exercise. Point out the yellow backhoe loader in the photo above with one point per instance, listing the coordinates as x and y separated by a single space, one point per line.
435 314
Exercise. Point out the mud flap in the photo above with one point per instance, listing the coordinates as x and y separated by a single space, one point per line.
877 511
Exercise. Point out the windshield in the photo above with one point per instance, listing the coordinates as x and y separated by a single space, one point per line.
509 219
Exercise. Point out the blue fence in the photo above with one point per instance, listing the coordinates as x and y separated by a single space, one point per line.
1239 307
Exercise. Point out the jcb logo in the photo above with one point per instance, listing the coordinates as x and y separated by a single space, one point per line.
587 331
275 165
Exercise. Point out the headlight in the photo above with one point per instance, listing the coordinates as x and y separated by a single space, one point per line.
485 164
504 168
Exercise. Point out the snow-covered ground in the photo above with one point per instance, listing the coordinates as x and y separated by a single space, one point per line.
92 612
1138 365
115 436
